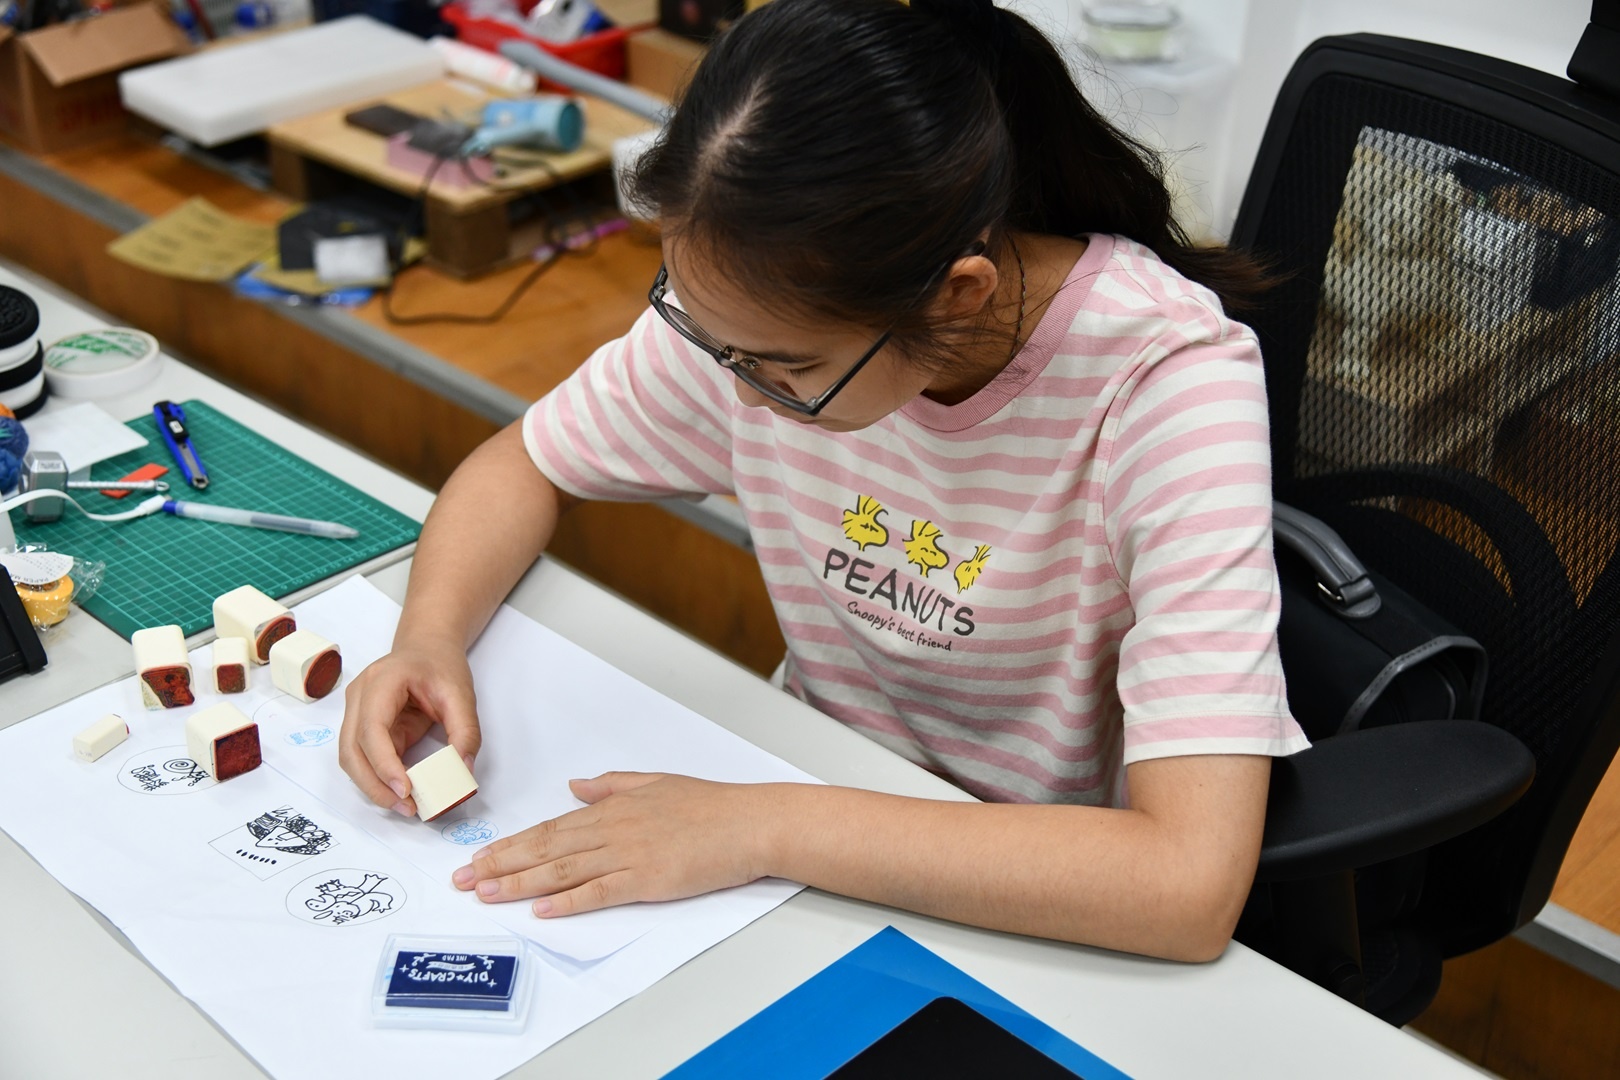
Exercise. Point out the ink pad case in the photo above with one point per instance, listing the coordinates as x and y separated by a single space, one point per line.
453 983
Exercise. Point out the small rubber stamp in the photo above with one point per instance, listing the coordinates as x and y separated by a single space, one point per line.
440 782
223 741
163 667
100 737
230 665
305 665
249 614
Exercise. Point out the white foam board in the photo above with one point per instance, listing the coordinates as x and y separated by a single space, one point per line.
235 90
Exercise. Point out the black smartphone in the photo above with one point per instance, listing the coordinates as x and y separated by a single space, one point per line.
384 120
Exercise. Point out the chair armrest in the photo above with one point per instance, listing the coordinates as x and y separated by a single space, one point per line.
1367 796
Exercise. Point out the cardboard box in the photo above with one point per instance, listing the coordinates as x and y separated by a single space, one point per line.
661 62
59 84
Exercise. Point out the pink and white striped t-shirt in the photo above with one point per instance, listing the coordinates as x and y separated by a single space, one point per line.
1068 572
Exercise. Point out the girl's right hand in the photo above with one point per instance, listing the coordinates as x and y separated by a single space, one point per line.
390 705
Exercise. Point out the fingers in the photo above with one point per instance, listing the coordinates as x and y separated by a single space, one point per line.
377 746
605 891
457 710
367 717
598 788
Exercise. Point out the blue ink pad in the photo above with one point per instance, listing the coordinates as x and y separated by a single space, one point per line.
436 980
478 983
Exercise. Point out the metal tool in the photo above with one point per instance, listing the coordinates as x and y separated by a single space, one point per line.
46 470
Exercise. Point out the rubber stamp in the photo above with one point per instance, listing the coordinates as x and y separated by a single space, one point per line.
305 665
223 741
231 665
100 737
163 667
255 618
440 782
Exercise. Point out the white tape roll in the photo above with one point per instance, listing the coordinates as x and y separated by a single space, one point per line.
20 353
101 363
18 400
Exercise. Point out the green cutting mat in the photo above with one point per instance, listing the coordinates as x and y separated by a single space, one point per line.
163 569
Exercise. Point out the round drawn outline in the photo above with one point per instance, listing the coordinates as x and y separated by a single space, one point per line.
163 755
397 896
494 831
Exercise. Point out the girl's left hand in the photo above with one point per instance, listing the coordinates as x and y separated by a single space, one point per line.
644 836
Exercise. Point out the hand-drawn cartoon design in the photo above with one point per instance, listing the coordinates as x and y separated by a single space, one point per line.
345 896
469 831
164 770
861 525
968 570
285 829
922 547
273 841
315 736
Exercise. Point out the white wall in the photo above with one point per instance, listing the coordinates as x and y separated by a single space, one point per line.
1263 37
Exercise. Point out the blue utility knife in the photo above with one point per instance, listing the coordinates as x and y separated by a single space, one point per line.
171 422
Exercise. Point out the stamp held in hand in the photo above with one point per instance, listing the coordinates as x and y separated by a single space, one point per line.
163 667
440 782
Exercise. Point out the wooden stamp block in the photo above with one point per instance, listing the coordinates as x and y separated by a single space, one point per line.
100 737
248 614
163 667
440 782
231 665
223 741
305 665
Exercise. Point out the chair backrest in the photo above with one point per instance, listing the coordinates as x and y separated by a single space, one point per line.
1443 362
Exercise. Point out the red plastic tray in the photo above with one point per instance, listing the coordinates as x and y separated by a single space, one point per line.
601 52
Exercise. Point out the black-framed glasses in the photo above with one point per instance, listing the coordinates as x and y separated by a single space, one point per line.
743 365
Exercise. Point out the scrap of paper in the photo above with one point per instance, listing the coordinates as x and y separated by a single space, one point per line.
197 241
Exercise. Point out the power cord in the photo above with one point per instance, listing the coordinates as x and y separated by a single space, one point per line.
558 238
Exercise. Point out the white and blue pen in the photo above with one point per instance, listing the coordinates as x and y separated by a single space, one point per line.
229 515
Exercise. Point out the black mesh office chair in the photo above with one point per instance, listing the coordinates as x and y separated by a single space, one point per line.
1443 362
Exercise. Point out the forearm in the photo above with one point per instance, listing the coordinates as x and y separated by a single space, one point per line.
1121 879
491 521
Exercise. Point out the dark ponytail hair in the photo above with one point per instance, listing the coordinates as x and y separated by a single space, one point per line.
837 154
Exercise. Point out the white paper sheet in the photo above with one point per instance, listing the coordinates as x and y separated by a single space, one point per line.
83 435
220 885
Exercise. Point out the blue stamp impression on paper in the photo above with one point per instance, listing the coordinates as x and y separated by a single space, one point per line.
438 980
312 736
470 831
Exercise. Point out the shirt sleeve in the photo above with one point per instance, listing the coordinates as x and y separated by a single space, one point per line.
646 417
1187 509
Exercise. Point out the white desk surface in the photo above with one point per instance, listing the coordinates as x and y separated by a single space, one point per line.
75 1001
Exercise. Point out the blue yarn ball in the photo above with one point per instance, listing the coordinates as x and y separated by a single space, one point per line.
10 469
13 445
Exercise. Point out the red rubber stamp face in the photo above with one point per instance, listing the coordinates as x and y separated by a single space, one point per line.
237 753
324 673
231 678
170 685
274 632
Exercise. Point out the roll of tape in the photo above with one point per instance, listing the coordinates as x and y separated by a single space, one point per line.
27 399
13 355
101 363
47 604
22 374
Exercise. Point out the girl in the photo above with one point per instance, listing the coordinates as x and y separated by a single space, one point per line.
1004 458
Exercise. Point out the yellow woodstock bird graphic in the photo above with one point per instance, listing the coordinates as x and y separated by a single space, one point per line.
968 570
922 547
861 526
